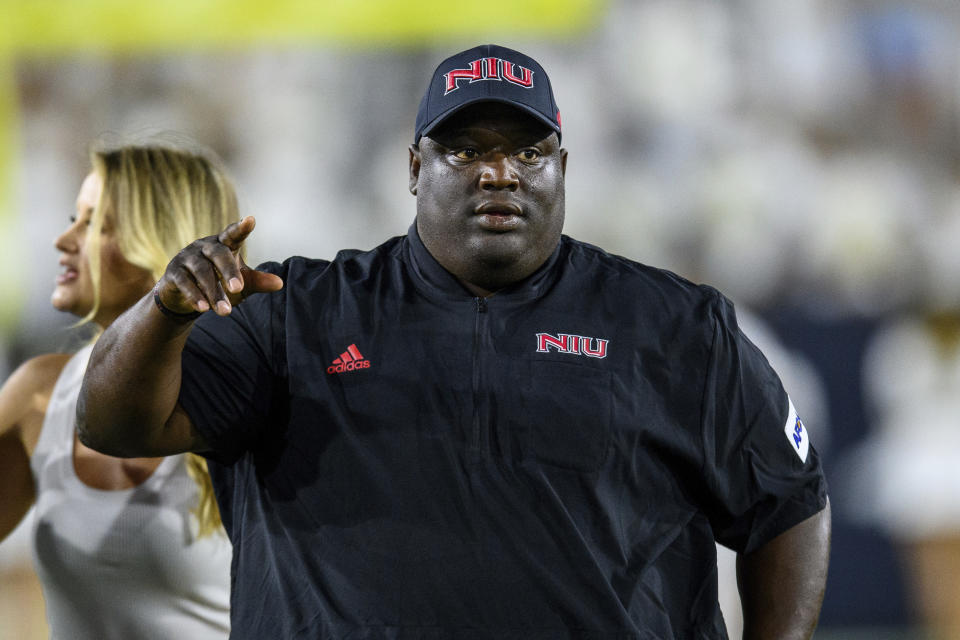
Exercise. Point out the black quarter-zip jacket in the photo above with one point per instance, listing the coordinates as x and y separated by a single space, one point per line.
394 457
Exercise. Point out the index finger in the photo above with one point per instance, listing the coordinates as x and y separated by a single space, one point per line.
235 233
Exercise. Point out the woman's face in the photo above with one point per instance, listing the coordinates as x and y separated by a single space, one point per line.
121 283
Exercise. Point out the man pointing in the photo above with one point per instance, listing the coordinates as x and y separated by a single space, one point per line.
481 429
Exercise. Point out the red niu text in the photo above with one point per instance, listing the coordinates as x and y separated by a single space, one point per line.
489 69
349 360
569 343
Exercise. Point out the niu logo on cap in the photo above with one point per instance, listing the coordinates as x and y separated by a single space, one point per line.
349 360
489 69
576 345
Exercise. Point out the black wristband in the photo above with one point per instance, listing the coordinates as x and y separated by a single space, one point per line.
172 314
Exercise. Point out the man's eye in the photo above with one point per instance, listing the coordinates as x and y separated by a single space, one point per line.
465 154
529 155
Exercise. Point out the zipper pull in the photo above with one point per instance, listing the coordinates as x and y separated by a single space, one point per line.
481 305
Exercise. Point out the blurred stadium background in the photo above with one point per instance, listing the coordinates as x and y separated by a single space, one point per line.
801 155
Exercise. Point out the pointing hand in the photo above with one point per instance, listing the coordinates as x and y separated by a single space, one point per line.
210 274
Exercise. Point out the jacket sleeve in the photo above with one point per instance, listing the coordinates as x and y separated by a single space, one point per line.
762 473
233 368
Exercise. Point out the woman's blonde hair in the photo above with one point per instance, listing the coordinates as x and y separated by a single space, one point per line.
161 199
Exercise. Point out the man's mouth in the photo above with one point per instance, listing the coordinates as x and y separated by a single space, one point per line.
499 209
499 217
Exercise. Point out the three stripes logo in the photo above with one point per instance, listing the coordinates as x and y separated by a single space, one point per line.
349 360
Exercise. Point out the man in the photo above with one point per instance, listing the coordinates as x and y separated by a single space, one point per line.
481 429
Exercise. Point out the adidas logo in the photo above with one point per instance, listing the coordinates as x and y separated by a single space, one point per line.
349 360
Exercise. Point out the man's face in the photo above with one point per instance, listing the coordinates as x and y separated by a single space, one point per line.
490 194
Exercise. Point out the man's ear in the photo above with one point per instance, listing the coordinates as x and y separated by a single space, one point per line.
414 168
563 162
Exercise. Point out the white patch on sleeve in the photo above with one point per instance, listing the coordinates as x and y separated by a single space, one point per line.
796 433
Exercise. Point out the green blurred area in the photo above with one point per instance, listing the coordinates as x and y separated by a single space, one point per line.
64 26
11 257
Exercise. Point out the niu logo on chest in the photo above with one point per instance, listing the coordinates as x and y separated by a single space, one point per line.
573 344
349 360
489 69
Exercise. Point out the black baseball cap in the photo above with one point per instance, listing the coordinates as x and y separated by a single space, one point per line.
487 73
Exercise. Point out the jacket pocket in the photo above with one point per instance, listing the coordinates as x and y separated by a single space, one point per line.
564 416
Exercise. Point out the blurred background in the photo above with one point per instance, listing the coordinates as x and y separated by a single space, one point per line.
803 156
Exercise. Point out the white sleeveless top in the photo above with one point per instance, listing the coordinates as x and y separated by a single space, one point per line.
121 564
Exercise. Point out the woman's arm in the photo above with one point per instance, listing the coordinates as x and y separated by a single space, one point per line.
23 403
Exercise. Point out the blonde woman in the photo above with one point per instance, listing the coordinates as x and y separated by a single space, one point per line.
124 548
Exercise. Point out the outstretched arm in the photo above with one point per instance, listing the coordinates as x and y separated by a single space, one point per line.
128 403
782 582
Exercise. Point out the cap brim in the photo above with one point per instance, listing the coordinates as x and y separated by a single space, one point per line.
446 115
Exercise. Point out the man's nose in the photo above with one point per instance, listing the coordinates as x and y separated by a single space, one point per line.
499 174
